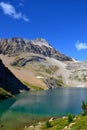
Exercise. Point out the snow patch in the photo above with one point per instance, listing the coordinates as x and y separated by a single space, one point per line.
75 60
39 77
80 85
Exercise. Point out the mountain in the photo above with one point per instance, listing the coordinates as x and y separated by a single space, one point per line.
16 46
40 66
9 84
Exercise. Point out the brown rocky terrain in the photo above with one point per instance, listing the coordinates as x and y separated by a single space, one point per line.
38 65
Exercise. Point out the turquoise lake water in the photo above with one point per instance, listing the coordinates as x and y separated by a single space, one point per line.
50 103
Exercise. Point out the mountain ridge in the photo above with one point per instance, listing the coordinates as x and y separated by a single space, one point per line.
38 65
15 46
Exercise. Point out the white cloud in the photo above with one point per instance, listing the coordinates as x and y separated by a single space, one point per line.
81 45
9 9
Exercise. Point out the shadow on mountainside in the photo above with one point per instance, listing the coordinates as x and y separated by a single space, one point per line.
9 82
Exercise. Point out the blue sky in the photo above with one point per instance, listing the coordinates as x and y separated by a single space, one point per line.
63 23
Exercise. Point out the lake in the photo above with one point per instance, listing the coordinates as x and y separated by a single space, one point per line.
31 105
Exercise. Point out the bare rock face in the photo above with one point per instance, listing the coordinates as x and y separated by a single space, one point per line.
9 82
38 64
54 83
16 46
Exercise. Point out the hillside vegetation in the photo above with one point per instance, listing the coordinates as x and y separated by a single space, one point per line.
79 123
4 94
70 122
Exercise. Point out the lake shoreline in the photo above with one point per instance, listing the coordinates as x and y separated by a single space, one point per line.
30 107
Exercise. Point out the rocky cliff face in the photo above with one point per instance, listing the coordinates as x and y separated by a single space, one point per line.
9 82
16 46
38 65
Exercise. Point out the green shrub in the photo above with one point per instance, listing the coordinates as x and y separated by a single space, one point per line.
48 124
70 117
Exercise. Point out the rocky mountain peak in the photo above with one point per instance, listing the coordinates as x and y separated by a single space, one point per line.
41 42
15 39
16 46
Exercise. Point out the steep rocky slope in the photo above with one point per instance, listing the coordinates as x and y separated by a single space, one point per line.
9 83
38 65
16 46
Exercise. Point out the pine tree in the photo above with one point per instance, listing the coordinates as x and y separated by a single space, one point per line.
84 107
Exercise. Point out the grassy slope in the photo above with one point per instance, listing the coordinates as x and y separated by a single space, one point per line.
79 123
31 86
4 94
57 124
